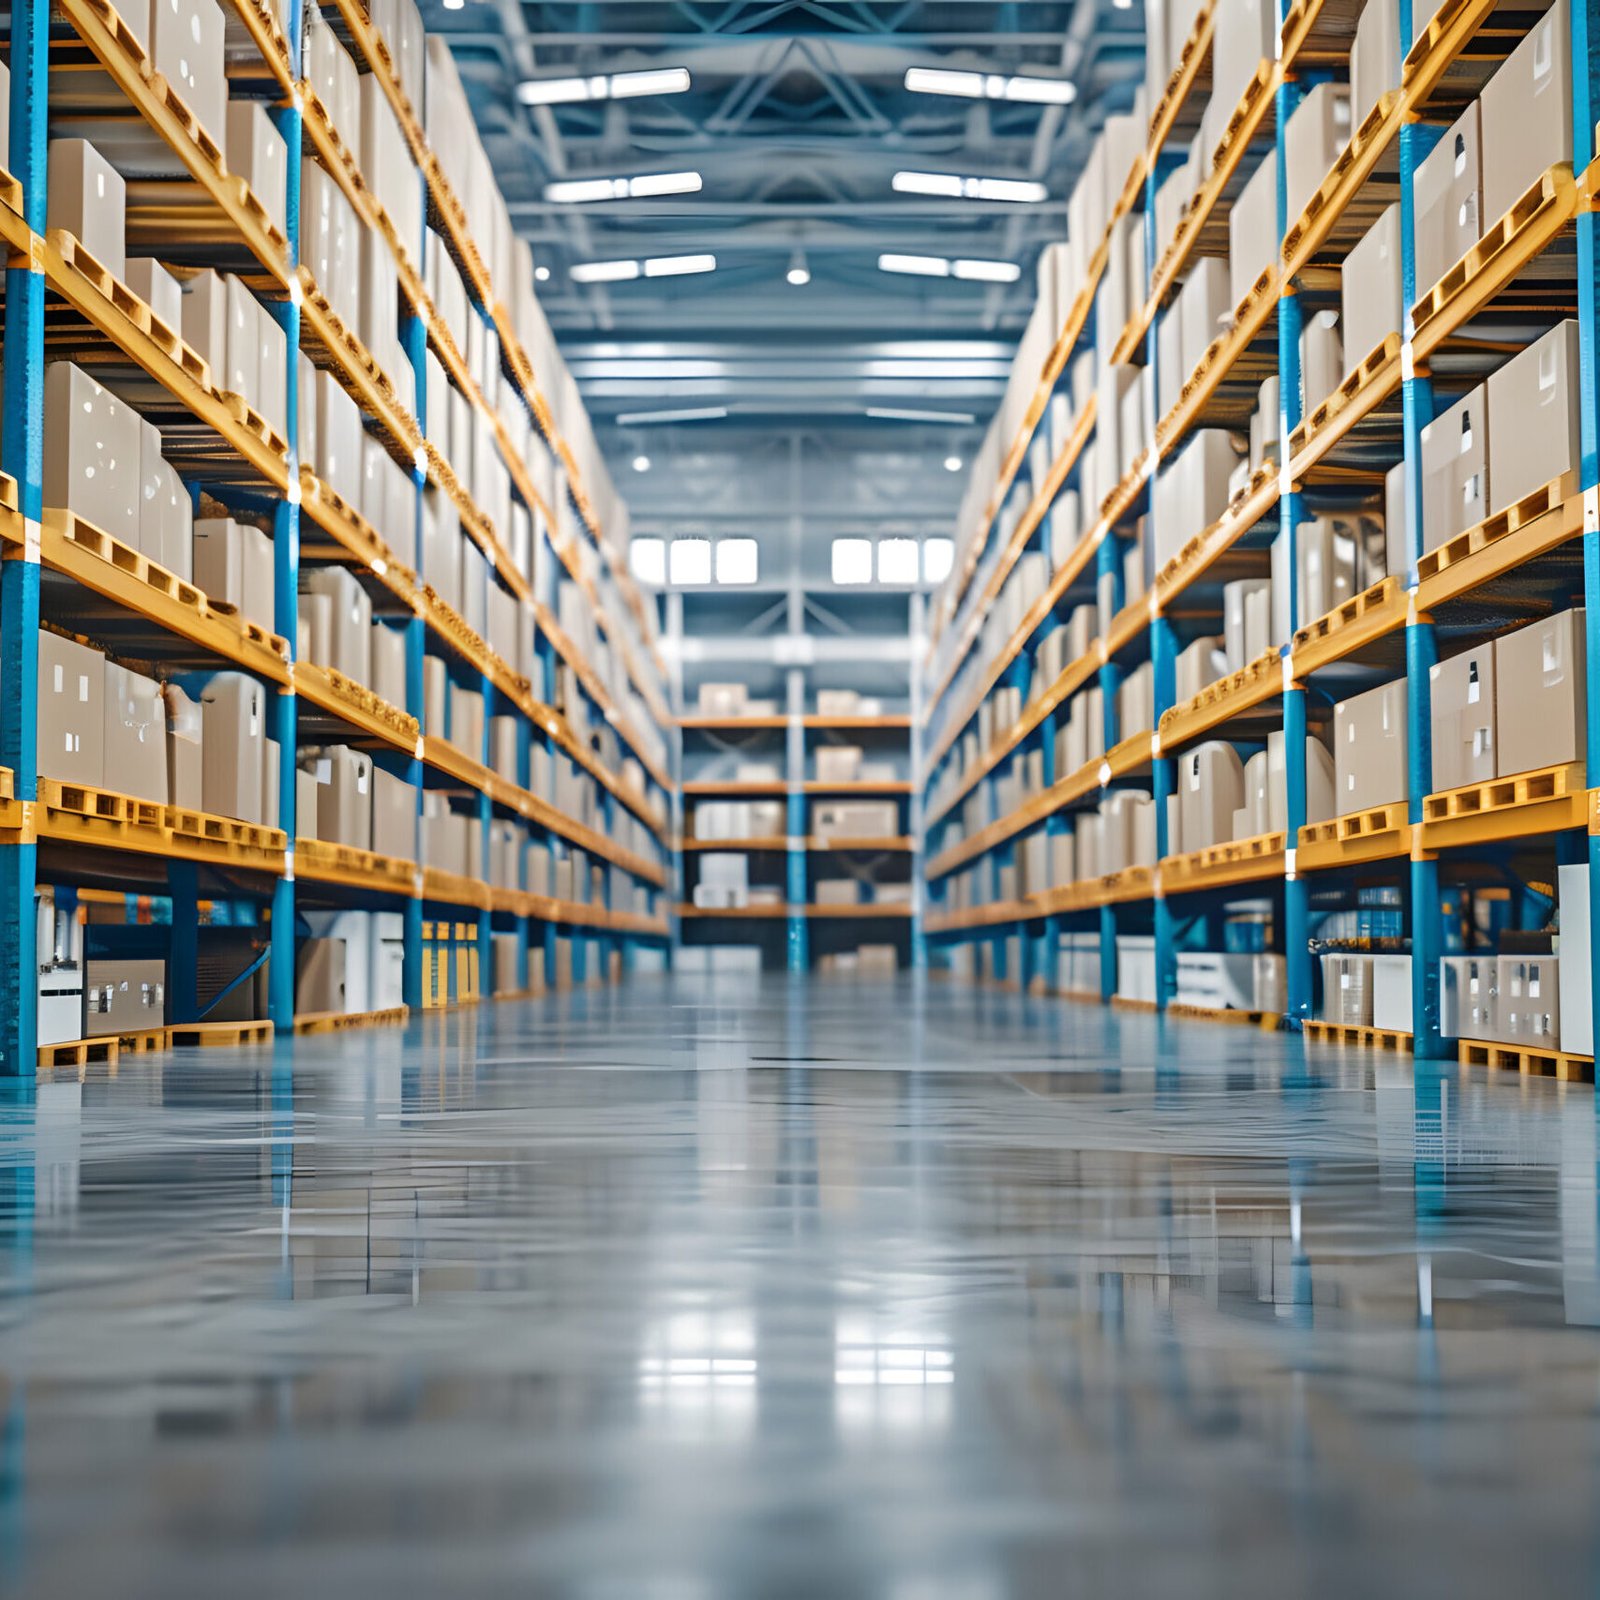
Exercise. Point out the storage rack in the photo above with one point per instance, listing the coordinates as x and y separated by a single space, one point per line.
225 450
799 847
1542 553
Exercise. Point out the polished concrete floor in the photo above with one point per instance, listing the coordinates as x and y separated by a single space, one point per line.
694 1293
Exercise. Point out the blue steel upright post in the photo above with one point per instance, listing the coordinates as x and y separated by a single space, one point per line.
1291 410
22 456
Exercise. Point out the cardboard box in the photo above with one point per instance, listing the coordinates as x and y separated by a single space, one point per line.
1204 303
1320 780
319 982
166 513
1369 289
1573 951
1317 133
1541 694
1527 113
1369 748
305 804
1253 229
123 996
1530 1002
344 794
1456 477
257 153
837 892
1375 56
186 47
1322 366
1462 696
838 763
349 640
1391 992
388 650
339 436
271 782
832 702
725 700
1533 413
1449 200
88 198
185 751
1347 989
1469 997
157 288
856 819
71 736
1235 630
135 739
91 452
394 816
1210 790
233 564
233 720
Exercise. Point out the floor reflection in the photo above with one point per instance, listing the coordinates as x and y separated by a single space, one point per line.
829 1290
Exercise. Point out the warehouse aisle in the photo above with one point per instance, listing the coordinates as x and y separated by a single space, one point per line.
834 1290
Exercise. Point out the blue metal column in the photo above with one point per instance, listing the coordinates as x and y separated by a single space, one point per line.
1422 647
1291 409
22 456
795 891
1108 563
1585 109
286 578
414 338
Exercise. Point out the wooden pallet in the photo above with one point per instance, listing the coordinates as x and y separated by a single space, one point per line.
1484 535
346 1021
1559 1064
142 1042
215 1035
1348 1033
1545 801
1378 834
78 1053
1267 1021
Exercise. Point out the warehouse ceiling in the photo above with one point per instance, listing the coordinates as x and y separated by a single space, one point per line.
796 118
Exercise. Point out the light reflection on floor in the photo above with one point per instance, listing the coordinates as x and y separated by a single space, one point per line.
832 1291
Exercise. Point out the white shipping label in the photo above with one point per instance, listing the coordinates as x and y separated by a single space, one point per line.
324 769
60 678
1474 691
83 686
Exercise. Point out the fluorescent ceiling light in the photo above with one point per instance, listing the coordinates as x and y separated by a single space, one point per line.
942 267
990 86
799 273
641 462
601 86
541 274
575 191
604 271
949 186
633 419
952 463
655 267
962 419
678 266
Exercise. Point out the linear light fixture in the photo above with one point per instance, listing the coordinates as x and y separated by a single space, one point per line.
991 86
943 267
652 267
576 191
637 419
602 86
951 186
962 419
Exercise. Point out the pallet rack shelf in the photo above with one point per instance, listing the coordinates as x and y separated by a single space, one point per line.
224 448
1516 566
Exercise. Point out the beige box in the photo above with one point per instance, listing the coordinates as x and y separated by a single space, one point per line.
349 642
507 967
157 288
1210 790
1369 289
1321 359
1449 200
1369 748
1347 989
1203 304
1469 997
257 153
838 763
388 648
186 45
314 625
1530 1006
185 759
503 747
1533 414
91 452
1317 133
135 740
394 816
1456 476
166 513
233 724
837 892
1320 780
271 783
466 720
857 819
722 699
435 695
836 702
344 794
121 996
71 736
233 564
1541 695
1375 56
1462 696
1253 229
319 976
1527 113
88 198
305 804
